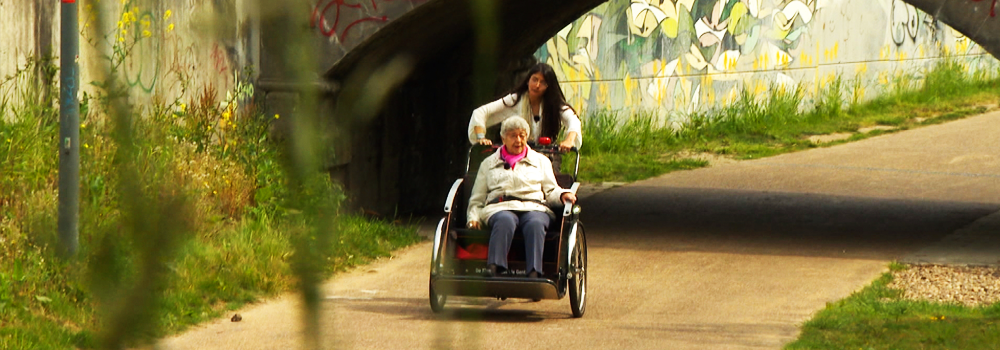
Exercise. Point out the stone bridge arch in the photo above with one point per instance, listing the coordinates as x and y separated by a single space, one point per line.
406 158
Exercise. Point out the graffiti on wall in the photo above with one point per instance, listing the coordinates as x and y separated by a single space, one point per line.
336 19
687 55
906 23
139 53
153 57
664 49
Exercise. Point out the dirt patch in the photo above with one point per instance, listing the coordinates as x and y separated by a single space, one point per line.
846 135
712 158
877 127
830 137
983 109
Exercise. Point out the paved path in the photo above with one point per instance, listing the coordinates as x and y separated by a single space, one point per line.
736 256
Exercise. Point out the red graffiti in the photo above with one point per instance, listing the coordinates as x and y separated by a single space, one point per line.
993 7
219 60
375 5
319 18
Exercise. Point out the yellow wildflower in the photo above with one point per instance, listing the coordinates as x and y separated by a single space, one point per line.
276 116
166 15
146 34
170 27
183 107
121 24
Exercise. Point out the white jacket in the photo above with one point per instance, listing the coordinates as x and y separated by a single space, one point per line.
495 112
531 179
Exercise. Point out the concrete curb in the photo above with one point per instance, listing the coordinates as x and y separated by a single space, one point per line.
977 244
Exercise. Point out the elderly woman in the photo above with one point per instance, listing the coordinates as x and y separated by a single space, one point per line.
511 191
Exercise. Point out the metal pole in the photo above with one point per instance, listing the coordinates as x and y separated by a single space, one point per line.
69 130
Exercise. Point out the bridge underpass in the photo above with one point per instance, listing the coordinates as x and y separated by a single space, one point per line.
405 158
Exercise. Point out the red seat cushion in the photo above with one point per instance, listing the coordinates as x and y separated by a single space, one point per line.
473 251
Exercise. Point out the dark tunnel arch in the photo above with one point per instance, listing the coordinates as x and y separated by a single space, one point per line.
406 158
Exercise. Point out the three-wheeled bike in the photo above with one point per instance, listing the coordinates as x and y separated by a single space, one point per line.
458 259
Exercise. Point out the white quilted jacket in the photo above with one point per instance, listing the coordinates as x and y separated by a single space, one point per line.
531 179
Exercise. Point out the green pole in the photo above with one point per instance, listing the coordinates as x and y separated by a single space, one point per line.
69 130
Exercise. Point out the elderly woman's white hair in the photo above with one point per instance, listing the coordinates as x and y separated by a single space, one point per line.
514 123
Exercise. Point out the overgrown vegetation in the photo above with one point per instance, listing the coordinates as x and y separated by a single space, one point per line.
878 318
207 175
754 125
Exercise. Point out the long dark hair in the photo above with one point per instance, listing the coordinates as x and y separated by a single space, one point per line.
553 101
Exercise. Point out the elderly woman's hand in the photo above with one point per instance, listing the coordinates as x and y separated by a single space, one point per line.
569 197
474 225
485 142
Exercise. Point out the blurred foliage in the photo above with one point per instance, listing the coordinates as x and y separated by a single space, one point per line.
187 210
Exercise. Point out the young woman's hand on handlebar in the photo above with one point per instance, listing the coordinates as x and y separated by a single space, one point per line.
566 145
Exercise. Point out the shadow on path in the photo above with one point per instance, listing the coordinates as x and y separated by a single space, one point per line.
771 223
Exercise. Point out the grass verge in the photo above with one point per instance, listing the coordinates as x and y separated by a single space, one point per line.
207 179
878 318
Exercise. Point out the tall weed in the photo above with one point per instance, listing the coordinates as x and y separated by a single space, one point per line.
830 100
947 79
606 131
748 115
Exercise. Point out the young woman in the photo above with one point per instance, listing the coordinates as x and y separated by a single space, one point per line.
540 101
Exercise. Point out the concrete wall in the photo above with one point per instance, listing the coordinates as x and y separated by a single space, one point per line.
27 28
164 49
677 57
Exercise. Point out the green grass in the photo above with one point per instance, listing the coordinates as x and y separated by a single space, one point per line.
184 214
878 318
638 146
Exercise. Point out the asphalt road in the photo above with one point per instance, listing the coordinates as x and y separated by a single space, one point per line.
735 256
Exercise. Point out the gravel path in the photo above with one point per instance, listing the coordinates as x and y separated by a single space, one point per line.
971 286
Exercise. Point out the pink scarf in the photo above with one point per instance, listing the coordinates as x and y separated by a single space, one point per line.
512 159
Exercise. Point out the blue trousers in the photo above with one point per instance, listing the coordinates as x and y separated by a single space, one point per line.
532 225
